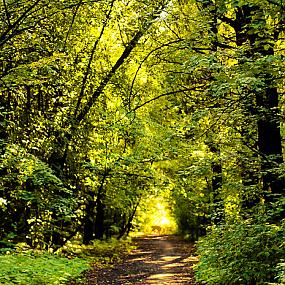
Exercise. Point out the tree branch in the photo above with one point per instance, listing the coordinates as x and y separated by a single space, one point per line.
227 20
145 58
72 22
4 37
128 49
84 81
7 13
160 96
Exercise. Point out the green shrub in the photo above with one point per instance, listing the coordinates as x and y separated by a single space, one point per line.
280 277
242 254
102 251
44 269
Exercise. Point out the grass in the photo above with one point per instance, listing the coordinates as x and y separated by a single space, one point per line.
25 266
39 269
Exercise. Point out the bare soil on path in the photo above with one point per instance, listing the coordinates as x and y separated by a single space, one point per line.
156 260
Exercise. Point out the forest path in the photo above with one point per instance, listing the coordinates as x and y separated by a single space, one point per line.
156 260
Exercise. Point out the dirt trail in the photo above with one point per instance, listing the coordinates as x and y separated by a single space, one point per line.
157 260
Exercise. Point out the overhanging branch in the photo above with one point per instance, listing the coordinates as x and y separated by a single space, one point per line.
128 49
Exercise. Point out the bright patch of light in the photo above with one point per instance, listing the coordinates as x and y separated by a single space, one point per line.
164 221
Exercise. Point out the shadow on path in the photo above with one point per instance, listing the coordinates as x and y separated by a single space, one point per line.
156 260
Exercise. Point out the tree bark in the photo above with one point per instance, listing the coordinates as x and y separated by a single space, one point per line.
217 180
266 101
3 124
100 209
88 222
218 204
126 229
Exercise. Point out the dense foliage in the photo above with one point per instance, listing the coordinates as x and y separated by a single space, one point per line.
107 104
243 253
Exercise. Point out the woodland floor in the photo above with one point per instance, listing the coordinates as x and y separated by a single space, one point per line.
156 260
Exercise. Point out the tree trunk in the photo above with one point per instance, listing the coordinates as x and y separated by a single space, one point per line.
127 228
88 222
266 109
100 209
218 204
269 142
28 104
217 180
3 123
100 215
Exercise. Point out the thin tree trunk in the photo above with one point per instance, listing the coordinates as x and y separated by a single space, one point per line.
217 180
127 228
218 204
88 222
100 209
28 104
3 124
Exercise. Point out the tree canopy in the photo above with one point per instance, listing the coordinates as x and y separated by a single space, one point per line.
109 105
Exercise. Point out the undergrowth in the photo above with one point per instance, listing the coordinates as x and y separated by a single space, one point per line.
39 269
245 253
26 266
105 251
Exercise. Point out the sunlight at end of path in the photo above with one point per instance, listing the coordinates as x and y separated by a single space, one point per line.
156 219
